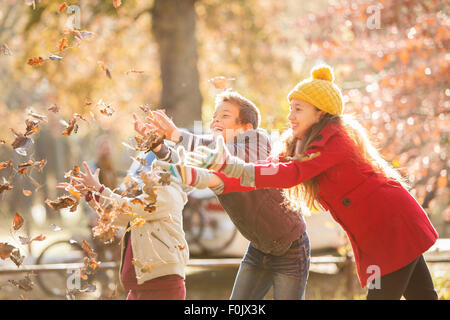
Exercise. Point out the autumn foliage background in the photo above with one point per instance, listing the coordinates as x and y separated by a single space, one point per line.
161 53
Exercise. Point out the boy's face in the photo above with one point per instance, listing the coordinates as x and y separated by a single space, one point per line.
225 122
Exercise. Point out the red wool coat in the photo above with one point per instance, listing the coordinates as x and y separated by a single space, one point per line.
386 226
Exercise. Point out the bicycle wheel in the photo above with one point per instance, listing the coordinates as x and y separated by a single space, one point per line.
193 223
55 283
218 232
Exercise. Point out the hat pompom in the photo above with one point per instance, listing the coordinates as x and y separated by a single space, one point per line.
323 73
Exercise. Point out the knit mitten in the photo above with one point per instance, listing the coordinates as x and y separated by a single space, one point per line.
218 159
183 174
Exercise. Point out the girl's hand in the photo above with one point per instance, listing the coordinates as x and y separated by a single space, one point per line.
88 179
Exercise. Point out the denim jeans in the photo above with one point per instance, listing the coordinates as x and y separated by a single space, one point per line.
287 274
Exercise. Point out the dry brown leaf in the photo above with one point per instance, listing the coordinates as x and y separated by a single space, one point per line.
25 284
5 250
62 202
220 82
4 186
71 126
32 127
54 108
16 257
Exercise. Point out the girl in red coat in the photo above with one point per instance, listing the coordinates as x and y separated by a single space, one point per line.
329 161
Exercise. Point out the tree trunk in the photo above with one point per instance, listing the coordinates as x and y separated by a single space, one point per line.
174 30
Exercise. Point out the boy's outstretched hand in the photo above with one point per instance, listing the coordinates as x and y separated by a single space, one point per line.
160 121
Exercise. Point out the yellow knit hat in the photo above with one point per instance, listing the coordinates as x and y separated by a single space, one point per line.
320 91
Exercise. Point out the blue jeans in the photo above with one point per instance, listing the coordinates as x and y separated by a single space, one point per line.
287 274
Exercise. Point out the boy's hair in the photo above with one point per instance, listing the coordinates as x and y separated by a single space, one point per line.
248 111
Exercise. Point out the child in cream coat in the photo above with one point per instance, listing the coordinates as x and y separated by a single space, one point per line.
155 251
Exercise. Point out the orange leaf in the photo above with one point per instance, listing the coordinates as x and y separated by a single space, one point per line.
62 44
5 164
86 247
62 7
117 3
17 222
27 193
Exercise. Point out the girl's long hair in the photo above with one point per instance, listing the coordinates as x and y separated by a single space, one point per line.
304 195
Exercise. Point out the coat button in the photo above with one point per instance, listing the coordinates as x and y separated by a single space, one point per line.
319 137
346 202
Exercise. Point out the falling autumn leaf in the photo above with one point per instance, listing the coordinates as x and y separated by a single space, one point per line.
74 192
55 57
137 222
5 164
5 250
4 186
17 222
16 257
62 202
27 240
24 284
32 127
117 3
5 50
54 108
87 248
54 227
90 265
38 116
62 7
36 60
220 82
104 68
21 142
134 71
27 193
145 108
62 44
71 126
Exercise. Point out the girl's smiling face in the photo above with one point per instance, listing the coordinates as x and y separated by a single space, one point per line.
226 122
302 116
